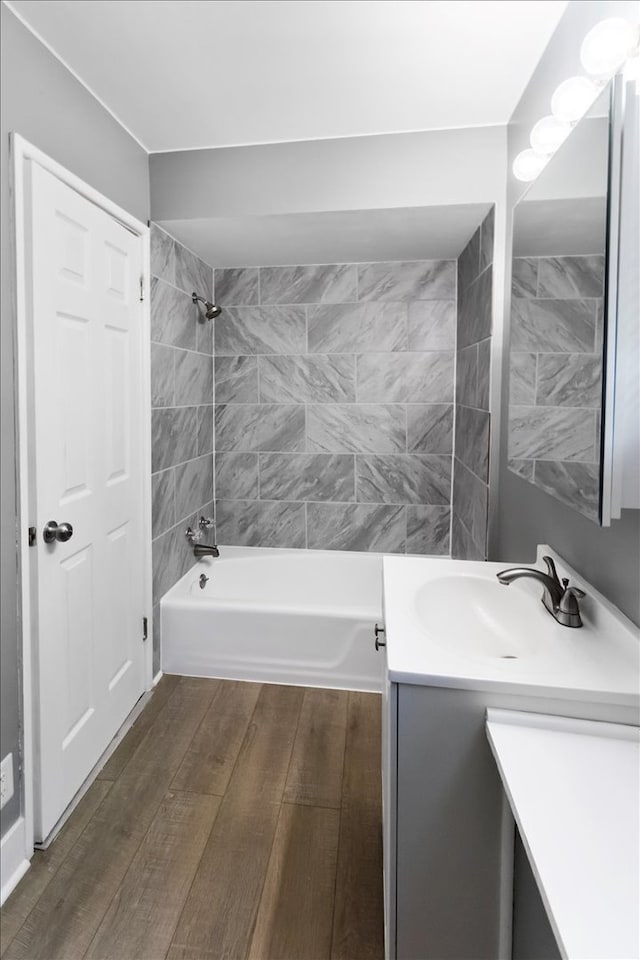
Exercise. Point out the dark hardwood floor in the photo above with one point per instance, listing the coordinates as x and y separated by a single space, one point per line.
235 820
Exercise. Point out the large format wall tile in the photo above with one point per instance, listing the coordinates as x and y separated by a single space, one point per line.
557 318
173 316
472 440
473 381
356 428
406 377
236 379
252 426
308 379
194 484
205 430
576 484
334 283
569 381
237 286
474 310
162 375
430 428
469 262
255 330
571 277
335 526
552 433
428 530
522 379
432 325
182 418
163 254
321 373
194 378
163 491
193 275
253 523
174 436
307 476
237 476
470 503
411 280
403 478
357 327
487 230
553 326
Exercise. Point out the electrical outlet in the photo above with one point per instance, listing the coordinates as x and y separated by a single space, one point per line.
6 780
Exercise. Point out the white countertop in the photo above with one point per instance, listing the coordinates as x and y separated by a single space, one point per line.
599 662
574 789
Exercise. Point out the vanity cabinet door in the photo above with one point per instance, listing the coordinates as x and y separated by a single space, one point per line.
389 794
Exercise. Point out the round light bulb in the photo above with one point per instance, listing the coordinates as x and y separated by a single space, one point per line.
607 45
573 98
528 164
548 134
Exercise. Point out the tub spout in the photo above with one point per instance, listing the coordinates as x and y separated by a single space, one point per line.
205 550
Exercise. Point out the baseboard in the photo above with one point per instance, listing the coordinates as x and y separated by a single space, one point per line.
13 863
158 677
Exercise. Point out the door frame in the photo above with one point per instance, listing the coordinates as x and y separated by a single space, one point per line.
22 151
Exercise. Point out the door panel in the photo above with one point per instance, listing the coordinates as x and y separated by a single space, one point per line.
87 349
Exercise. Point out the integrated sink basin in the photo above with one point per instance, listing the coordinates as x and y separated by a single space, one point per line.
477 617
451 623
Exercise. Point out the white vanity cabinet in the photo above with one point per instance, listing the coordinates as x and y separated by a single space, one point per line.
448 831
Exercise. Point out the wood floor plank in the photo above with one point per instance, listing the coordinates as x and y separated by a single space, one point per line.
359 918
210 759
143 915
125 750
296 909
45 863
219 915
67 915
315 774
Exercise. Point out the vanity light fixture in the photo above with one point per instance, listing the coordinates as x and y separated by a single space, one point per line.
605 49
548 134
607 46
529 164
572 98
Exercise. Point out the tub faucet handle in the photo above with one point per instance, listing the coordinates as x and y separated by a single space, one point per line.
206 522
193 535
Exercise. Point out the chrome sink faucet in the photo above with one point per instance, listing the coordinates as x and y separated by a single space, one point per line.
193 536
559 598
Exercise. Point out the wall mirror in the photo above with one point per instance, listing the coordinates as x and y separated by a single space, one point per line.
559 307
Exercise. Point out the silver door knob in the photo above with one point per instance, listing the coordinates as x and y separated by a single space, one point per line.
57 531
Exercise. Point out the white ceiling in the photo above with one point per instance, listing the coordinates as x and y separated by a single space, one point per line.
184 74
355 236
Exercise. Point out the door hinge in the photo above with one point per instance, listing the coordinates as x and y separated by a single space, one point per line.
145 628
141 289
32 536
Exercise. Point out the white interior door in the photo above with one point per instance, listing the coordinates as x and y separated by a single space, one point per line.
84 272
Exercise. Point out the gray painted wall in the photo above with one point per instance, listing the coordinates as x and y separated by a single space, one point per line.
435 168
182 411
43 102
524 515
334 406
473 392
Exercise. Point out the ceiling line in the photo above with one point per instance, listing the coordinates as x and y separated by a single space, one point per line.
339 136
45 43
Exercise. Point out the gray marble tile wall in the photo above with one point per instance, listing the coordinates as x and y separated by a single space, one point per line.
472 418
182 410
556 376
334 389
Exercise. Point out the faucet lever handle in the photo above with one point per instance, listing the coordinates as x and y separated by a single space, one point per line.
551 569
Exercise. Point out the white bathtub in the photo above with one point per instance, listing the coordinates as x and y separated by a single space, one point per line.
279 616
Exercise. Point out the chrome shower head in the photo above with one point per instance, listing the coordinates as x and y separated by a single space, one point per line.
211 310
